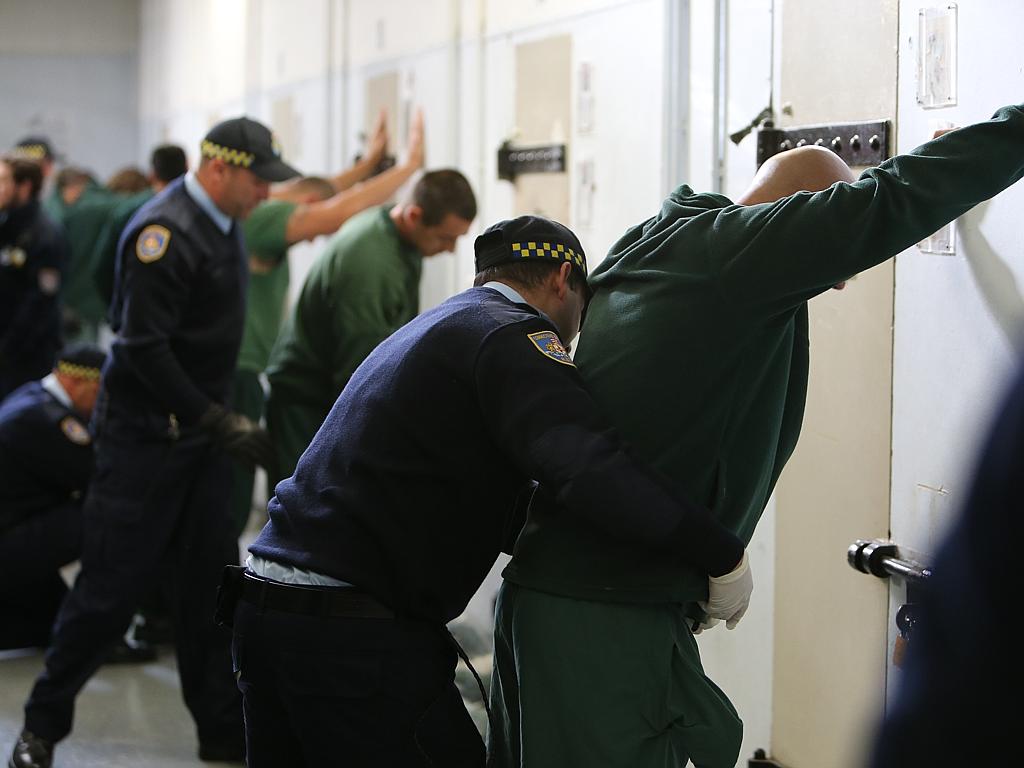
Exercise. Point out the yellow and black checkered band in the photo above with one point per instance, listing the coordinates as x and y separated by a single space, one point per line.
228 155
539 250
78 371
36 152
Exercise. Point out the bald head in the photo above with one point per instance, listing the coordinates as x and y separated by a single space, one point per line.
805 169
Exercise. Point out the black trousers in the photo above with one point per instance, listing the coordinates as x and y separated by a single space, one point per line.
31 589
350 692
156 506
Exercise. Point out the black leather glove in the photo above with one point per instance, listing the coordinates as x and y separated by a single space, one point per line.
238 435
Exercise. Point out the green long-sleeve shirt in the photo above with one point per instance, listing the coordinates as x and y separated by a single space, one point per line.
267 244
84 222
696 342
360 290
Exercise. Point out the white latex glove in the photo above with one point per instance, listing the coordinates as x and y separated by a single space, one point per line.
706 624
729 595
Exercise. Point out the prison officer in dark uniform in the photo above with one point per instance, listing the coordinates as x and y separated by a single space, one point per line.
33 255
405 497
46 461
160 493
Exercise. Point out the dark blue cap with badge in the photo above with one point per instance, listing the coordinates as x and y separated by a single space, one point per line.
529 237
248 144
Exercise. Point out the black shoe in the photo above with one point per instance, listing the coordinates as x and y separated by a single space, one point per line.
153 628
130 653
30 751
222 752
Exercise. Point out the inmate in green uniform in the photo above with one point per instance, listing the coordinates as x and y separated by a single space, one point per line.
267 244
696 347
360 290
84 222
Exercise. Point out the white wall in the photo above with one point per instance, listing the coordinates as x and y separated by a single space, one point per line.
70 73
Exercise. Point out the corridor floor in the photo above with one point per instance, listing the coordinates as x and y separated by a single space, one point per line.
127 715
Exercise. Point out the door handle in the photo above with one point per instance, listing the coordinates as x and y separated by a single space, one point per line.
882 559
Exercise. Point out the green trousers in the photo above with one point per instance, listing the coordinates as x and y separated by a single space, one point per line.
292 426
602 685
246 398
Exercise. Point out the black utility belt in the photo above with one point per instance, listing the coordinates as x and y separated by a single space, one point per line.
348 602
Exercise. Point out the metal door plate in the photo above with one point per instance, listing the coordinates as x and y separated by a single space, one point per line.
859 144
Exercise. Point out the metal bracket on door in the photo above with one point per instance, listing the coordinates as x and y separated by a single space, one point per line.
513 161
858 144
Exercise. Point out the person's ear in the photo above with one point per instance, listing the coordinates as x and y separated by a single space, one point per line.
413 215
562 280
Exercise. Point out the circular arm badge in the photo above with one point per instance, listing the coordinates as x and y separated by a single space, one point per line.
75 431
152 243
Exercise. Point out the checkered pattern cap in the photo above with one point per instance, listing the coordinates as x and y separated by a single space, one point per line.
83 361
248 144
36 148
528 237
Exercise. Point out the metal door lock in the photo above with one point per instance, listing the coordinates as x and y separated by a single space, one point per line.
906 620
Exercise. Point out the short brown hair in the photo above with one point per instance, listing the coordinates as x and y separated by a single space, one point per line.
528 274
439 193
69 177
314 185
128 181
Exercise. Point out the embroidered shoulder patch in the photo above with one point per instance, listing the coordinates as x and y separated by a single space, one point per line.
12 257
549 345
74 431
152 243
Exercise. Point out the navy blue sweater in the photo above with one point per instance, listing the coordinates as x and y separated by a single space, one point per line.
418 477
45 454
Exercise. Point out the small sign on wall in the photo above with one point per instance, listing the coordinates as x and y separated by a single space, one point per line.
936 62
585 97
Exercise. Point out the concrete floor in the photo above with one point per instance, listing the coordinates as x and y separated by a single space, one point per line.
133 715
127 715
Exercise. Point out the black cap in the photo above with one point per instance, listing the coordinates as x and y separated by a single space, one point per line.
528 237
247 144
36 148
82 361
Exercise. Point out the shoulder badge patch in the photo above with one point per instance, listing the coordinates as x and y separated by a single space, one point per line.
12 256
549 345
152 243
74 431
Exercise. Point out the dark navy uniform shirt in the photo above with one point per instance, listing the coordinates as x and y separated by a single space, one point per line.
45 454
178 310
416 479
33 254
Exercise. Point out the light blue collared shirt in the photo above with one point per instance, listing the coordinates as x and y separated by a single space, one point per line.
287 574
203 200
52 385
514 296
